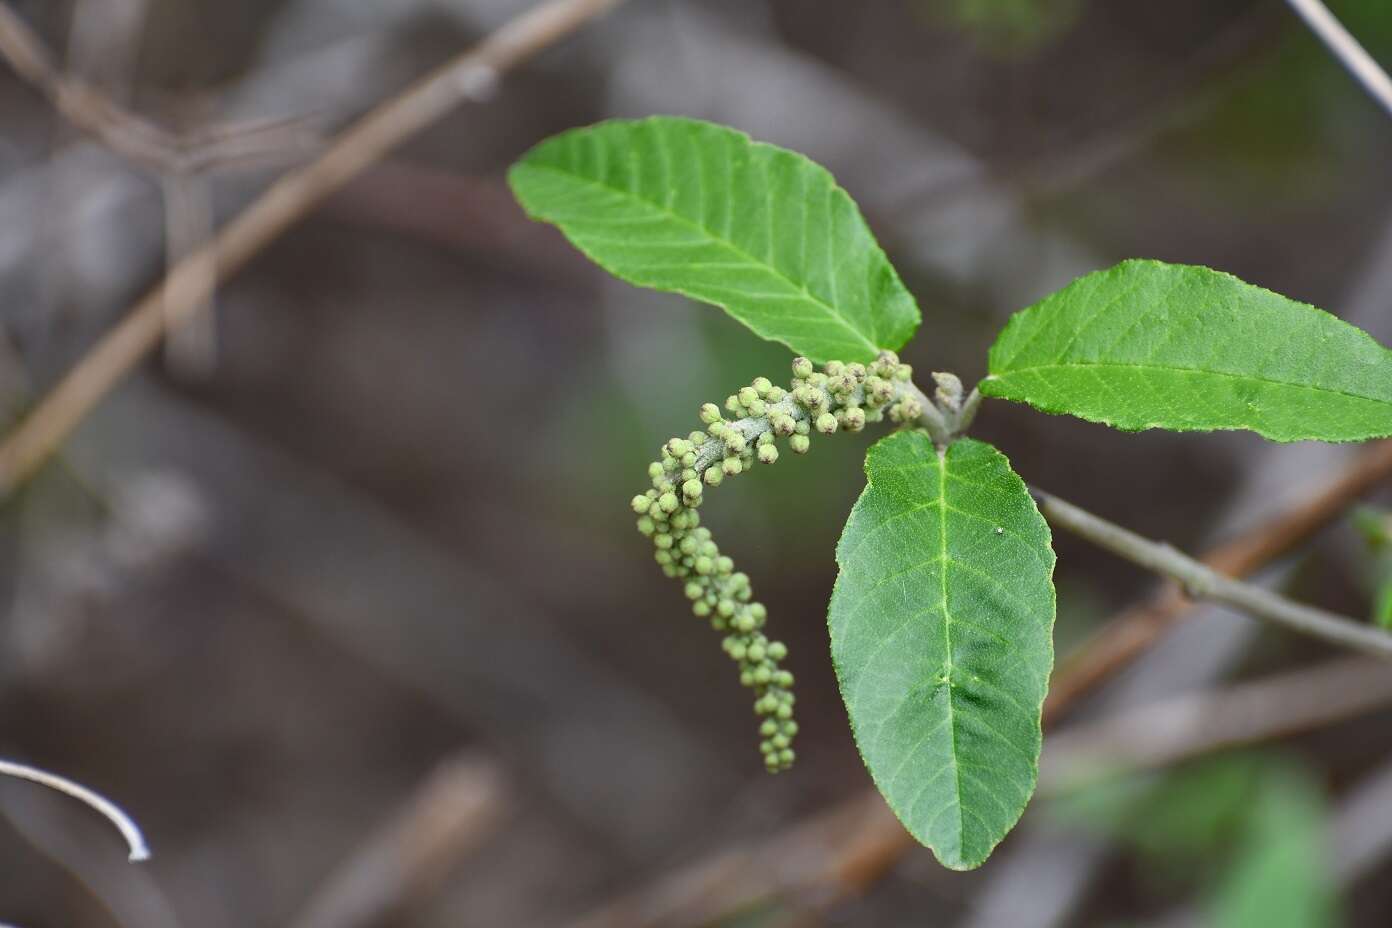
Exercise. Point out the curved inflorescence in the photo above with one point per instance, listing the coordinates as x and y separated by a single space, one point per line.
840 396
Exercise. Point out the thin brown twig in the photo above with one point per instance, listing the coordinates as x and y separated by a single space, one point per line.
470 76
1123 639
134 137
455 811
836 854
841 852
1169 731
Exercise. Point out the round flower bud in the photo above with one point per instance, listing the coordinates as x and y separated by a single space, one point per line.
723 565
667 502
735 442
833 368
781 741
762 676
725 607
775 394
732 467
777 650
713 476
762 386
783 678
853 419
857 371
744 622
769 728
692 489
756 407
768 454
640 504
655 470
826 424
747 396
732 403
663 541
802 367
694 590
784 712
704 566
701 609
790 728
646 525
799 444
756 651
710 413
786 757
663 557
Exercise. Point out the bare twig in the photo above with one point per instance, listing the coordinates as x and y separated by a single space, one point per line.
123 822
191 349
127 133
1345 47
838 853
1172 730
470 76
456 810
1124 638
1203 582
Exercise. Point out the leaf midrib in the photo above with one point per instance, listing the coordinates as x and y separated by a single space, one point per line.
827 308
1036 368
947 653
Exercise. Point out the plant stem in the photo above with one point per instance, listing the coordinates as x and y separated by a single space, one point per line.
1203 582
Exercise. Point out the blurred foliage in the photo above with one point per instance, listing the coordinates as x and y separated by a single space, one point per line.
1005 27
1375 525
1244 828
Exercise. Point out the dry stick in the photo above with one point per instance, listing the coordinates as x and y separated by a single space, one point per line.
128 134
470 76
458 808
840 853
826 858
1169 731
1203 582
123 822
1345 47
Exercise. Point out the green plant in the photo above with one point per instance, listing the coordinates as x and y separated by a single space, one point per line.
942 615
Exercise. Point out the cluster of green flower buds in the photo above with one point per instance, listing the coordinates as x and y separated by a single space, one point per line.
840 396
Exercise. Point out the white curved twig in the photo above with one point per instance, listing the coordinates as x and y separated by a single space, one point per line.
139 850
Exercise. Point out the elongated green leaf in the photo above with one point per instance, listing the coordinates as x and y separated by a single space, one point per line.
1151 345
941 627
699 209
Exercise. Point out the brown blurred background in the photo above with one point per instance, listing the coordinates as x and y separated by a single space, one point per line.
340 596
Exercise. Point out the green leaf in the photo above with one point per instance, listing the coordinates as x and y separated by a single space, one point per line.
1382 604
1151 345
699 209
941 625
